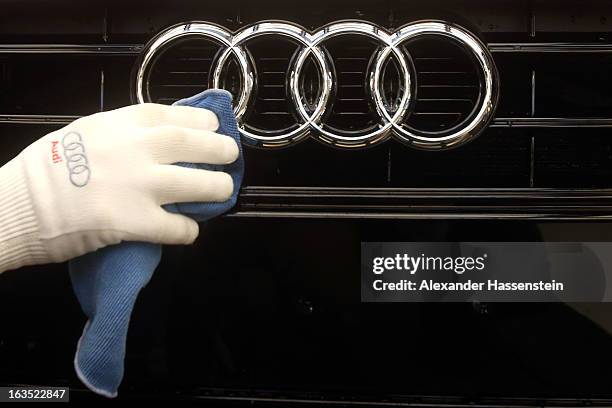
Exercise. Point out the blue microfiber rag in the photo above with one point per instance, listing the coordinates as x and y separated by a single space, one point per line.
107 282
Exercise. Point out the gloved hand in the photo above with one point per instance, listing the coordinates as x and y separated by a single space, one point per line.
103 179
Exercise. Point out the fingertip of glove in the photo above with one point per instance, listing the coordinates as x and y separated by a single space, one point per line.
232 151
192 231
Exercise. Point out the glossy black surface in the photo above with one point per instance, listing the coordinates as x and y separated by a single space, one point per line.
283 314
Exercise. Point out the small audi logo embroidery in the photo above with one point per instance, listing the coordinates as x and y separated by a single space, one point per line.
76 159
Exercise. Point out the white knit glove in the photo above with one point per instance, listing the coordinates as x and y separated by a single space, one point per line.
103 179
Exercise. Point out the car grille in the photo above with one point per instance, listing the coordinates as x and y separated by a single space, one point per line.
264 309
548 143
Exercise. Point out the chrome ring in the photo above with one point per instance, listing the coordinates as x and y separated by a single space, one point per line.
195 29
489 97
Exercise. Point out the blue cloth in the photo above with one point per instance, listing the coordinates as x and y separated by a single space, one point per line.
107 282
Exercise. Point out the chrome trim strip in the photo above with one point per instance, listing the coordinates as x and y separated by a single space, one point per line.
424 203
497 122
134 49
552 123
550 47
38 119
419 216
398 192
98 49
425 401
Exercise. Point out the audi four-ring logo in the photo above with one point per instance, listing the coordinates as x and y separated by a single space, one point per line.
311 120
76 159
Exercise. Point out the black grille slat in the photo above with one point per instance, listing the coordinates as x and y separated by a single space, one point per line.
271 111
351 111
447 85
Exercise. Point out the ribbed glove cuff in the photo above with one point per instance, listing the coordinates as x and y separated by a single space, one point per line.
20 242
